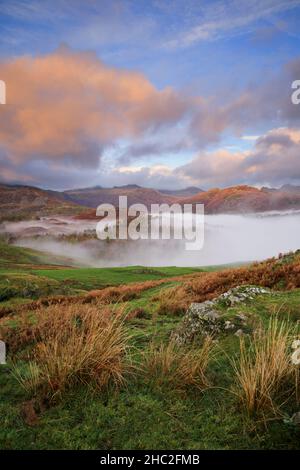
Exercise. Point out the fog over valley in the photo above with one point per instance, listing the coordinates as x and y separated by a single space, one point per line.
227 239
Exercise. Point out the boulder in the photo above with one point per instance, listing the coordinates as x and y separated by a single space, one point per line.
205 319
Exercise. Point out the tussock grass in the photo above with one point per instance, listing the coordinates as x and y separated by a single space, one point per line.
264 371
171 301
178 367
28 376
75 344
121 293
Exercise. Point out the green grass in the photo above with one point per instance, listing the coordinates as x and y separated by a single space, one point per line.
29 273
90 278
142 417
138 416
25 285
14 256
285 304
42 282
10 254
16 260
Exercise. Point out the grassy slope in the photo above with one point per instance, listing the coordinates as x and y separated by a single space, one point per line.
10 255
140 415
89 278
15 257
144 417
26 273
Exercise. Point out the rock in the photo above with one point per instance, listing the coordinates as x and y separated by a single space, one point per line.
240 294
203 319
228 325
239 333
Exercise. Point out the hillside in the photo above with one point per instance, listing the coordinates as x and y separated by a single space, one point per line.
236 199
94 196
19 202
12 256
27 202
186 192
146 391
241 199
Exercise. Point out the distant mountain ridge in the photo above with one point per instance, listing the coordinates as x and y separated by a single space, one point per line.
190 191
23 201
290 188
94 197
245 199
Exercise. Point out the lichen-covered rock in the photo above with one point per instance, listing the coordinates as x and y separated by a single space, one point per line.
240 294
203 319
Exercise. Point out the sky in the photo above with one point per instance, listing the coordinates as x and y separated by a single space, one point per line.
160 93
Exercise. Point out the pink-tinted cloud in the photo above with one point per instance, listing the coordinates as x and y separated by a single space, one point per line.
69 105
274 160
64 109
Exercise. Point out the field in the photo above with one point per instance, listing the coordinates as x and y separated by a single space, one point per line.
150 396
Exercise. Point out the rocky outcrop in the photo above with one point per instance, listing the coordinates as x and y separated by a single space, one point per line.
206 319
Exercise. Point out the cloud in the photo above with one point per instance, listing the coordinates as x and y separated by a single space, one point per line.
208 119
250 137
67 110
274 160
223 19
268 103
276 157
152 149
67 106
157 176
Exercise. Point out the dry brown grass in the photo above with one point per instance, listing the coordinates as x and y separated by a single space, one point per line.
282 273
263 372
171 301
75 344
107 295
121 293
177 367
273 273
